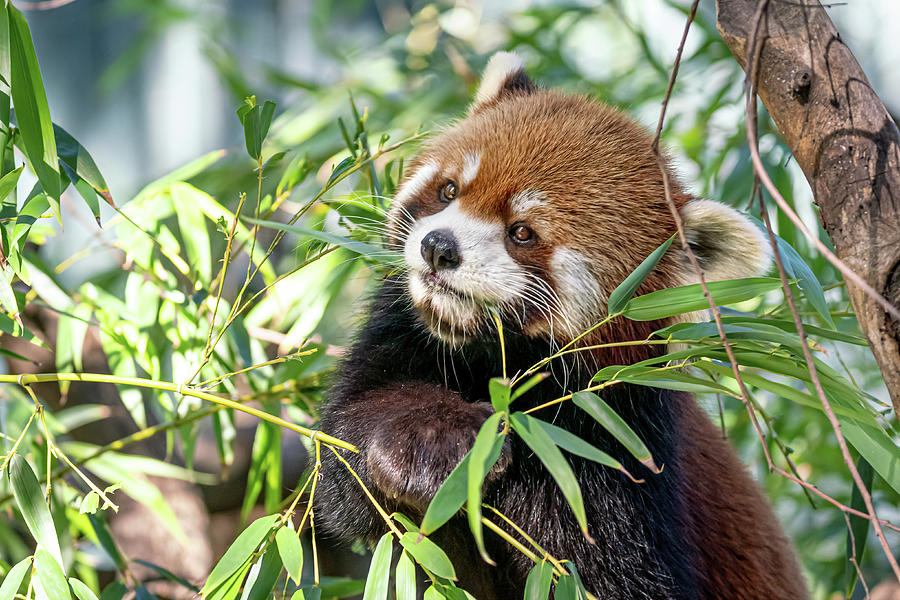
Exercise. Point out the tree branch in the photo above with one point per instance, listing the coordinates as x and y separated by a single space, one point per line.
848 147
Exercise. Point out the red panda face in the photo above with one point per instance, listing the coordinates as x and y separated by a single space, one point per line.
537 205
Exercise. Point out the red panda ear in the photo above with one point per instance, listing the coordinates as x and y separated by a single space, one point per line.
504 75
726 243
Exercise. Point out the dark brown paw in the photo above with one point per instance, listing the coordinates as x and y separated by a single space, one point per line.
412 453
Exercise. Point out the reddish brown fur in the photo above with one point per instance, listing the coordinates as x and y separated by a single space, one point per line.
745 555
607 200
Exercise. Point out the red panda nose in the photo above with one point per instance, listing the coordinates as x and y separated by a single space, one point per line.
440 250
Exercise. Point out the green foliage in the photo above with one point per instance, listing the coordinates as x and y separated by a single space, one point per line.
186 346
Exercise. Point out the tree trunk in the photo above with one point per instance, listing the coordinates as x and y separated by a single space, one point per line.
844 140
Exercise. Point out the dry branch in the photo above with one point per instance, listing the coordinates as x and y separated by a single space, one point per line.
845 141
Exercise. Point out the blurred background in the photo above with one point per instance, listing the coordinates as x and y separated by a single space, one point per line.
151 85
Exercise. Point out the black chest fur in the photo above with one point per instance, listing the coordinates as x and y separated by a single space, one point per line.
640 548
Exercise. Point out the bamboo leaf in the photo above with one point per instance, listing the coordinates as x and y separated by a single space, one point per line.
30 500
487 445
450 496
291 552
379 569
82 591
531 432
169 575
859 527
104 538
14 578
499 391
574 444
32 110
371 252
239 552
796 268
523 388
537 585
428 554
194 234
595 406
8 182
77 161
263 575
689 298
50 576
625 291
405 576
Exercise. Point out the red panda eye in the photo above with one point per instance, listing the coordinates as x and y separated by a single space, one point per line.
448 192
521 234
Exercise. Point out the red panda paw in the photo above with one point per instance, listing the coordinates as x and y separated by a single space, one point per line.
413 452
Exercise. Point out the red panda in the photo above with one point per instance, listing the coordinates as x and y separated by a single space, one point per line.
539 203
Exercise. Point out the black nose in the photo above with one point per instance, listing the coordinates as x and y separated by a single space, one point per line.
440 251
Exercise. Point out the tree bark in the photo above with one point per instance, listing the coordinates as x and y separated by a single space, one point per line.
845 141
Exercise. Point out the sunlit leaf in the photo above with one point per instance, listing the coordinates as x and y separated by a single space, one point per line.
689 298
595 406
82 591
485 447
572 443
533 434
451 495
625 290
405 578
537 585
239 552
32 110
50 576
291 552
33 506
371 252
14 578
428 554
379 569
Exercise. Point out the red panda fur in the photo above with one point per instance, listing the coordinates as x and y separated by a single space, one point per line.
413 403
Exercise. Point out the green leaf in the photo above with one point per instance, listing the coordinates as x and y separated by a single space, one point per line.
307 593
294 174
878 449
405 576
796 268
499 393
34 509
263 575
291 552
371 252
625 291
114 591
532 381
428 554
50 576
859 527
595 406
104 538
572 443
82 591
8 182
32 110
90 503
239 552
451 495
689 298
169 575
488 444
231 587
533 434
380 569
78 162
192 223
14 578
256 121
537 586
569 586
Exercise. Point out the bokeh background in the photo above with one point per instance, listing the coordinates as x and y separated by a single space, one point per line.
150 85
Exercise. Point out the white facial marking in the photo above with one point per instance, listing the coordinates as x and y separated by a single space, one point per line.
524 202
501 66
580 295
414 184
486 272
471 162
